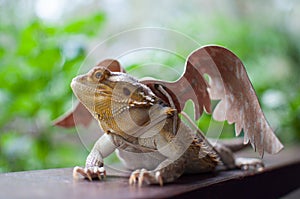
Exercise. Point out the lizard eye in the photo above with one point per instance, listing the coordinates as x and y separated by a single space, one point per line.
98 75
126 91
101 74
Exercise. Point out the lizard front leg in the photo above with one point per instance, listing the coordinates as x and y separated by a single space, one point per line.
94 162
175 150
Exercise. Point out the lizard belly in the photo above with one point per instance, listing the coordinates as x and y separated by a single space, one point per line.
134 160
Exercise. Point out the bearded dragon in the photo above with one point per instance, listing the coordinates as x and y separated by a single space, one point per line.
141 119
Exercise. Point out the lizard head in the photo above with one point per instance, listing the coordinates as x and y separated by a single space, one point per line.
115 99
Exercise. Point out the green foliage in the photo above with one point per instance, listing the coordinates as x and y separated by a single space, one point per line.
37 65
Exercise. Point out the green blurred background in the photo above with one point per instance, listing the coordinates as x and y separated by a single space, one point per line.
43 44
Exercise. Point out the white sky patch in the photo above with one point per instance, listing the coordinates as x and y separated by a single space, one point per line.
273 98
50 10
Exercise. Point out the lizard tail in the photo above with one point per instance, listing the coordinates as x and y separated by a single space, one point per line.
235 144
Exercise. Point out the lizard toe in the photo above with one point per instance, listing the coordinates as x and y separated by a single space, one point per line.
144 176
89 172
253 164
134 177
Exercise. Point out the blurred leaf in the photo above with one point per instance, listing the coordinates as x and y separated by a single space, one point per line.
38 62
90 25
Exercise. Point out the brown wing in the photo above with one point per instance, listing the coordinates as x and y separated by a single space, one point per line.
79 113
239 103
230 84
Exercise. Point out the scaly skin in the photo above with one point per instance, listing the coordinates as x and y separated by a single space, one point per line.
147 132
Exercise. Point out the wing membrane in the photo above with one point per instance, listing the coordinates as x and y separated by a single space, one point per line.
238 104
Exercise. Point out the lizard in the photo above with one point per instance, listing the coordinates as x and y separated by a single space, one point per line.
141 120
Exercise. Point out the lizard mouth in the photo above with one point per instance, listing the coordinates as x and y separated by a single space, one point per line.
81 88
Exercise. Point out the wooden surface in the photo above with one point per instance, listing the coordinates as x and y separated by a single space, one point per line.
280 177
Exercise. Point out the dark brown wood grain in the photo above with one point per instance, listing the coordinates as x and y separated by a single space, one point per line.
281 176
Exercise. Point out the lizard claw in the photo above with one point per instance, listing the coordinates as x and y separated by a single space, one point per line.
250 164
149 177
89 172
